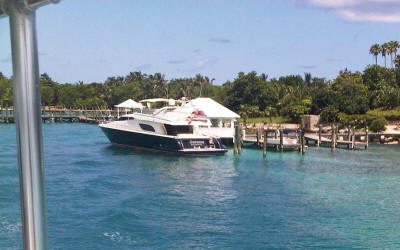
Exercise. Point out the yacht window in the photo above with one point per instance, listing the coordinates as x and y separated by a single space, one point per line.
147 127
125 118
174 130
214 122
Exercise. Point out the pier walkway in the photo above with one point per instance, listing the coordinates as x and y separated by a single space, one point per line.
315 138
287 143
64 115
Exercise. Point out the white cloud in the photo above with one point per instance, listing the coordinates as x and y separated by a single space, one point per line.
201 65
346 3
359 16
385 11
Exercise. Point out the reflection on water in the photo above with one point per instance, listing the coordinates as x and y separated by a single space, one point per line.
192 178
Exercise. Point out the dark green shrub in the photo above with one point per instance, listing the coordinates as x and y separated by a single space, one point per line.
378 124
329 114
295 111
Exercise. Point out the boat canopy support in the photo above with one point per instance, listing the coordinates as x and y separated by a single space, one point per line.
28 118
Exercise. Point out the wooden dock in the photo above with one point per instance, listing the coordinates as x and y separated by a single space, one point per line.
272 142
275 139
64 115
325 140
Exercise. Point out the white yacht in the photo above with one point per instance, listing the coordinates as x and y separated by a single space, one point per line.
169 130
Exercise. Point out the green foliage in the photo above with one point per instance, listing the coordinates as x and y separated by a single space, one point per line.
270 112
295 111
388 97
6 91
374 76
249 111
351 93
359 121
352 98
330 114
245 89
323 97
378 124
278 119
391 115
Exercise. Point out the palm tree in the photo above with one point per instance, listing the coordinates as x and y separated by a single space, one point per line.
390 50
375 50
395 46
384 51
397 61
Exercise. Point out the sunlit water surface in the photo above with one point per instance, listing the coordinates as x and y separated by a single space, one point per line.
104 197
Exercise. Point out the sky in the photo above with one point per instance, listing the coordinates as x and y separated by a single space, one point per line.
90 40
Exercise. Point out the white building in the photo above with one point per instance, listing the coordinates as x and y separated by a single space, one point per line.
218 115
128 105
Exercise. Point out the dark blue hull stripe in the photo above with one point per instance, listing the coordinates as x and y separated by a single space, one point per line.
155 143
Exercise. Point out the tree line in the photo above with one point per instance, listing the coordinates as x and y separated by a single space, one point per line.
386 49
355 98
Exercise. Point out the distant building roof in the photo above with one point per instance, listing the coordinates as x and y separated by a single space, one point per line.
212 108
129 104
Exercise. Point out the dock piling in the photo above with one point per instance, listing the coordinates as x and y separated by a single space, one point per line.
333 143
348 135
281 140
240 136
319 134
265 143
235 141
258 137
366 138
7 120
336 134
302 140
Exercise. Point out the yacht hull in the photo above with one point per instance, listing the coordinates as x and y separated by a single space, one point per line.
162 144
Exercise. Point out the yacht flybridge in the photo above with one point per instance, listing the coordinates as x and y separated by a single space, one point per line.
169 130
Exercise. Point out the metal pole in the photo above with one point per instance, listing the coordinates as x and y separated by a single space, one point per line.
28 123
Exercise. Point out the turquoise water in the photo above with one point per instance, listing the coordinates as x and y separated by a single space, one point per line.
103 197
